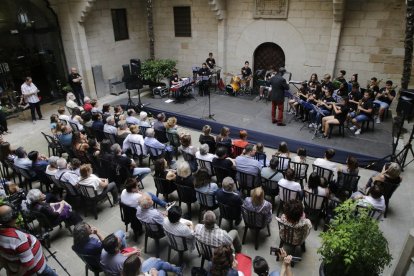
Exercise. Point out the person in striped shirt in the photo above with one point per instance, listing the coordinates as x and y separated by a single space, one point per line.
29 92
21 252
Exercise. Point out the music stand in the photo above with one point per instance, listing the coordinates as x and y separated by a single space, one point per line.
319 111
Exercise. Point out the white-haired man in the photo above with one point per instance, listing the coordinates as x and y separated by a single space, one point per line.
109 127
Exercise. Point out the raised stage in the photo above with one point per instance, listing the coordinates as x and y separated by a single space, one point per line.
245 112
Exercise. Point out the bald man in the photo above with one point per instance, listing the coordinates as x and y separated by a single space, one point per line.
20 252
75 81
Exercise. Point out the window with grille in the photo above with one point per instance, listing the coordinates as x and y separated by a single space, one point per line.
182 21
119 23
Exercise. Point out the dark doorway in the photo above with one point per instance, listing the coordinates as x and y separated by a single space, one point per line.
30 46
268 54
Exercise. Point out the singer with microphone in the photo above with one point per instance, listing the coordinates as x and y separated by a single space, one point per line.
277 96
29 92
75 81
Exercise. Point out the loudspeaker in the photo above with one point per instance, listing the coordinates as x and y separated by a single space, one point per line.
135 66
127 71
405 104
133 82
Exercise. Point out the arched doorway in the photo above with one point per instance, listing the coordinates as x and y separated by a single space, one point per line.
268 54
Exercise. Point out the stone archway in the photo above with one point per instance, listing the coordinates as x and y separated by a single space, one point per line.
268 55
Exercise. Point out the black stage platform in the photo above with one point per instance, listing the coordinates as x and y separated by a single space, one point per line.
245 112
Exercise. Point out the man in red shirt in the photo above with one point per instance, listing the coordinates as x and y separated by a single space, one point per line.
20 252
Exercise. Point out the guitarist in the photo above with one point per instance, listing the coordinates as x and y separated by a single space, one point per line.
29 92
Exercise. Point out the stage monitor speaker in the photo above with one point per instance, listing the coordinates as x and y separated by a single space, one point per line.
127 71
406 103
135 66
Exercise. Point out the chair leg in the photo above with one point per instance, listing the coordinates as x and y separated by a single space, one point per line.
86 270
219 224
145 243
268 230
95 211
202 262
180 257
244 234
169 253
157 248
256 239
303 247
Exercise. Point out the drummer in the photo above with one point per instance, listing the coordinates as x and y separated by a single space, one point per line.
203 84
246 72
211 62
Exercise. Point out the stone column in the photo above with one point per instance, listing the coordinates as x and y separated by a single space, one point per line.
333 47
222 44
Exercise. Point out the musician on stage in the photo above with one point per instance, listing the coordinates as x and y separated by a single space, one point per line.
174 80
210 61
363 113
277 96
327 81
373 86
340 112
246 72
75 82
384 99
341 77
302 95
325 106
29 92
269 74
354 97
204 84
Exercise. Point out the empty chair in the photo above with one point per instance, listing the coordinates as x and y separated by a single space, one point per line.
155 232
53 145
187 195
128 216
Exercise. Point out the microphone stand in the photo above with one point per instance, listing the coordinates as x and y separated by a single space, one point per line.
210 116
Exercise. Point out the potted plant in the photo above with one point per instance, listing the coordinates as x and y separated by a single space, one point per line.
155 70
353 244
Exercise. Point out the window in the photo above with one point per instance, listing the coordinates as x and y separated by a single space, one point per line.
182 21
119 22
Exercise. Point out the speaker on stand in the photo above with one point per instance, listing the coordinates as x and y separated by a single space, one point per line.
135 66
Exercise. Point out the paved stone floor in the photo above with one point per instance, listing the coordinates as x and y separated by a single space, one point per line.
395 226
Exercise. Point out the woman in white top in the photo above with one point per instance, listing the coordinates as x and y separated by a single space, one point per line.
289 183
314 187
76 118
100 185
283 151
203 153
301 158
134 137
131 194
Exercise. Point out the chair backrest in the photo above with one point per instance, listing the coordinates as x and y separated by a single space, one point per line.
323 172
74 127
205 250
226 145
348 182
228 212
253 219
206 164
55 181
128 214
99 134
270 187
176 242
88 191
246 180
136 149
164 186
221 173
288 236
154 152
388 189
153 230
372 212
236 150
89 131
107 168
43 220
284 163
261 157
300 169
313 202
49 139
173 139
122 173
143 130
70 189
186 194
111 137
88 260
161 136
286 194
24 172
211 145
205 199
188 156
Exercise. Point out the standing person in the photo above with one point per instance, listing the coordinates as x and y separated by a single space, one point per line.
29 92
277 97
211 62
22 252
75 81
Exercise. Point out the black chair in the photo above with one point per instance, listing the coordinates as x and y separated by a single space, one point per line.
190 159
111 137
371 211
122 173
6 167
155 232
180 247
107 168
128 216
211 145
236 151
89 131
154 154
388 190
174 141
72 193
222 173
311 202
205 251
137 152
254 221
161 135
204 201
228 213
164 187
271 189
74 127
53 145
329 211
99 134
25 178
282 167
86 260
323 172
226 145
287 236
301 171
261 157
347 183
285 195
247 182
92 198
341 129
206 164
143 130
187 195
45 224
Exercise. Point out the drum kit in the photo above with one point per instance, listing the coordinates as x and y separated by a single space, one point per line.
237 85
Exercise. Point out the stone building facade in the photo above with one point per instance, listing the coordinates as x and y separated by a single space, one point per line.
364 37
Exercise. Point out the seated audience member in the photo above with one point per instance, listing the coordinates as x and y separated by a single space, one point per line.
283 151
224 140
151 141
314 186
64 174
131 119
223 262
6 153
161 170
326 162
75 165
203 153
62 115
112 259
76 118
176 225
52 168
259 154
79 143
246 162
100 185
351 166
229 195
258 204
271 172
87 119
374 198
87 107
123 130
55 212
151 266
70 102
203 184
338 117
171 125
184 175
365 113
39 162
289 183
94 147
211 234
118 115
136 138
242 142
54 120
106 112
85 244
390 174
159 124
109 127
223 161
187 148
147 213
261 267
293 216
384 99
131 194
126 162
143 116
64 135
97 123
207 138
95 107
300 158
22 161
